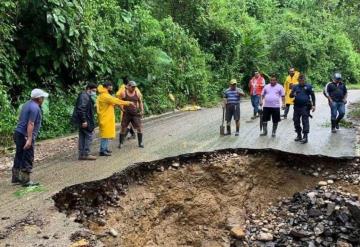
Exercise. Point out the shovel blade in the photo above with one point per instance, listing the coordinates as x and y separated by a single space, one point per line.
222 130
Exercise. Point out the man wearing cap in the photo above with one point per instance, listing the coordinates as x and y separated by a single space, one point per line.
120 92
256 85
291 80
271 97
304 101
336 93
25 134
84 118
105 104
133 113
232 106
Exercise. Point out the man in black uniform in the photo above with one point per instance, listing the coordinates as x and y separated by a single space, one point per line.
303 103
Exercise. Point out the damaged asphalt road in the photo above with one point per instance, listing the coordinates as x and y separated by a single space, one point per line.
170 136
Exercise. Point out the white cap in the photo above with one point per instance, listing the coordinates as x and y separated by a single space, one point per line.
38 93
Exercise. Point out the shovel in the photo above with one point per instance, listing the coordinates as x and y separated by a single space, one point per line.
222 127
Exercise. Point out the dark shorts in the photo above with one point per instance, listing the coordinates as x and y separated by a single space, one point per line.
135 121
271 113
24 159
232 110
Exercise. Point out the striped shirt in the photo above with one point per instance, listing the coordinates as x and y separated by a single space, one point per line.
232 96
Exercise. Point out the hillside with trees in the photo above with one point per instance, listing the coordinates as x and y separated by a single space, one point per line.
182 47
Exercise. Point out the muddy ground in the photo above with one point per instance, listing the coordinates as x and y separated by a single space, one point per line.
194 202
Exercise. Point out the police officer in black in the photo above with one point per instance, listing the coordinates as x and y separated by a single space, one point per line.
303 104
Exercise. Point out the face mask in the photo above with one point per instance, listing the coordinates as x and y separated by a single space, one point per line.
93 96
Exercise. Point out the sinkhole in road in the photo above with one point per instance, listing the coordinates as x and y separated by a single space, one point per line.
188 200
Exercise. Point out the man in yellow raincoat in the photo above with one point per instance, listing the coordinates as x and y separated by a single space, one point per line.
121 91
291 80
105 104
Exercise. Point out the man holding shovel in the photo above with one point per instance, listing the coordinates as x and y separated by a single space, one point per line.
232 106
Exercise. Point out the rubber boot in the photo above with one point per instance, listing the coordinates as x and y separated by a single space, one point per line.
265 130
237 131
121 140
132 133
333 124
299 137
228 130
275 125
140 140
25 180
337 126
286 112
15 178
305 139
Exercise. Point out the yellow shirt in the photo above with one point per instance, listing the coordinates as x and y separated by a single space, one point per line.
289 83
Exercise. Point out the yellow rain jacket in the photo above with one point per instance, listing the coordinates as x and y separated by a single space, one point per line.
287 86
106 113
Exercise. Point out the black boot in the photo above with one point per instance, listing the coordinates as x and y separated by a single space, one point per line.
132 133
333 125
121 140
337 122
305 139
15 176
275 125
140 140
228 130
25 180
265 130
299 137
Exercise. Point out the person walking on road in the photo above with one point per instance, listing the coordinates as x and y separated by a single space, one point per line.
105 104
25 134
291 80
304 101
84 119
271 97
256 85
132 114
232 106
336 93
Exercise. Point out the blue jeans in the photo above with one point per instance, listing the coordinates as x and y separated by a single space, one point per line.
104 145
255 101
337 107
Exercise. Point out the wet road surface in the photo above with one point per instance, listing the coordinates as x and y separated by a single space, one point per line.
172 135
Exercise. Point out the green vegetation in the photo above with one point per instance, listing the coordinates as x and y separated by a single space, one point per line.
187 48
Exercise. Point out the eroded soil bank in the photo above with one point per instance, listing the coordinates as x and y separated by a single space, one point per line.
200 199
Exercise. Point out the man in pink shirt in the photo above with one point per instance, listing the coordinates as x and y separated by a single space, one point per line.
272 97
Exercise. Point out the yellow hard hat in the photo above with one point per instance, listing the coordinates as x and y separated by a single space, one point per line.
233 82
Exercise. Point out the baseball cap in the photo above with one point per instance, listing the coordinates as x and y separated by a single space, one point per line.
132 84
337 76
38 93
233 82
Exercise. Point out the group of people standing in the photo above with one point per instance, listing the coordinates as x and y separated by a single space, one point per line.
128 98
268 99
95 98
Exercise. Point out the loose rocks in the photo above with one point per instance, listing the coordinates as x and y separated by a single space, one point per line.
320 217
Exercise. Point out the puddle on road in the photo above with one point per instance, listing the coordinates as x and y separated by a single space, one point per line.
191 200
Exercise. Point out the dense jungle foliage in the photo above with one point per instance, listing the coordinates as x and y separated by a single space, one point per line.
184 47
